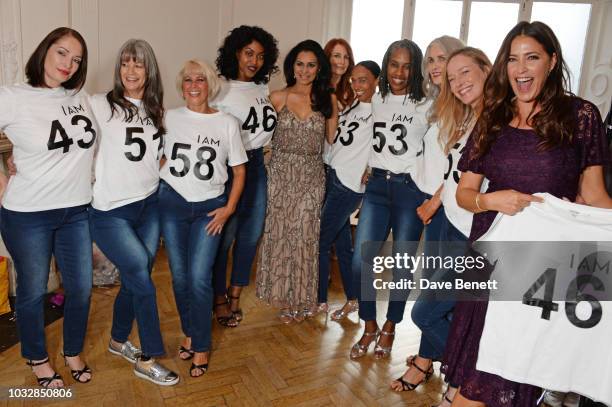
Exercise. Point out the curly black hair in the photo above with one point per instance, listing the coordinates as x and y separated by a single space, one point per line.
320 94
240 37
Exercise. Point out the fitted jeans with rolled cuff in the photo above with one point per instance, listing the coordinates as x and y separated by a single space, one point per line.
129 237
433 317
191 253
31 238
389 204
245 227
340 202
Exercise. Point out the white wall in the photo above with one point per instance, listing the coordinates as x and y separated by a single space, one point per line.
183 29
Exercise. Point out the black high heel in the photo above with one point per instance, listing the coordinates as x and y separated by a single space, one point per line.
406 386
238 316
226 321
77 373
45 381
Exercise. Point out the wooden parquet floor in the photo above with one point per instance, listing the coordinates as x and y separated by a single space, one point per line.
261 363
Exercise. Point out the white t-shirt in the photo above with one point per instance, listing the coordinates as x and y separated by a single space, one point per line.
326 152
430 162
250 104
398 130
53 136
522 344
198 148
127 163
352 144
458 217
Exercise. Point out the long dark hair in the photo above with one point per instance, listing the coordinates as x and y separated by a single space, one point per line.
343 90
554 123
240 37
35 67
153 98
320 93
415 77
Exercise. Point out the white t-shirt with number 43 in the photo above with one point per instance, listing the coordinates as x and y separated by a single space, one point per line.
53 136
198 148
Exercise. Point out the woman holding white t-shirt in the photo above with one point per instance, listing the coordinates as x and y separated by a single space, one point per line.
201 142
44 206
124 217
247 60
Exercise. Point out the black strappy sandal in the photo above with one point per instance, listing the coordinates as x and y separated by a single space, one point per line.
45 381
203 367
228 321
184 350
238 316
77 373
406 386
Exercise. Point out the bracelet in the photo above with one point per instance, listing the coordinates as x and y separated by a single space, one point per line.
478 202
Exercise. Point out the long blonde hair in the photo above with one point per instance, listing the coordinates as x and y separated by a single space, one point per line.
454 117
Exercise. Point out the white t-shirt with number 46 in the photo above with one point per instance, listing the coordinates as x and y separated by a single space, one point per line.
53 136
127 163
250 104
198 148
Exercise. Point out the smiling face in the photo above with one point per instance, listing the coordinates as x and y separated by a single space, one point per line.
436 63
528 68
250 60
62 60
339 60
305 68
133 77
363 83
195 88
466 79
398 71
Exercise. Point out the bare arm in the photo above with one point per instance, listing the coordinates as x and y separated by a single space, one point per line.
508 201
3 182
221 215
592 188
278 98
430 206
332 122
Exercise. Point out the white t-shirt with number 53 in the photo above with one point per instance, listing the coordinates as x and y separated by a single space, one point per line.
198 148
53 136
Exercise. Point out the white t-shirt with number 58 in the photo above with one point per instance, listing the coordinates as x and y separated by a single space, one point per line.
198 148
53 136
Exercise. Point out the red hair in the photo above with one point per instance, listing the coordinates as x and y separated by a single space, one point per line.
344 92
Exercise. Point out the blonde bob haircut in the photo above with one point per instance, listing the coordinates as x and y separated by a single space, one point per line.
197 66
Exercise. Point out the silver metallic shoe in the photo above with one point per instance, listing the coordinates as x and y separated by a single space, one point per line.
128 351
157 374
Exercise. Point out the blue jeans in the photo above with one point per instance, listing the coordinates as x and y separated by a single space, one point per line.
245 226
434 317
191 253
129 237
31 238
340 202
389 203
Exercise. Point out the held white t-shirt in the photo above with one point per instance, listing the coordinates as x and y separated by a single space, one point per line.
127 164
430 162
53 136
198 148
523 344
250 104
352 144
398 130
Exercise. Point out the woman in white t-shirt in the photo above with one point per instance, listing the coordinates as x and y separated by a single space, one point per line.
349 156
44 206
456 108
391 196
200 144
247 60
124 214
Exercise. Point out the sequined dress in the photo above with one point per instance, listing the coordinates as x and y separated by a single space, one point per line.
514 162
288 267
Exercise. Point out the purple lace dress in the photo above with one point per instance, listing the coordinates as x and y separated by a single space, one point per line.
514 162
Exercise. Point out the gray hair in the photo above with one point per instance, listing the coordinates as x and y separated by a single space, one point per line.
449 45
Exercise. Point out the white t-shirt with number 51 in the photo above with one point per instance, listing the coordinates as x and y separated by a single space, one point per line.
198 148
53 136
